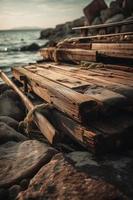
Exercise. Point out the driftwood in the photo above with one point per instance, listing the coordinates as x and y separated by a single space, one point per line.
43 124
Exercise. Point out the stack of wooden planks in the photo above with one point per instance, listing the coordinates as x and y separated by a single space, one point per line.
85 49
93 105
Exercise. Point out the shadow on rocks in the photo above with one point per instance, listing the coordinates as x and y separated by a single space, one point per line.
11 105
9 134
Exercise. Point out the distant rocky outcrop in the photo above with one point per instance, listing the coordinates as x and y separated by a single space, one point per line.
31 47
62 30
97 12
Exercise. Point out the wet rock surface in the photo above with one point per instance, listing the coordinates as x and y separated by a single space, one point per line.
11 105
10 122
22 160
9 134
60 180
31 47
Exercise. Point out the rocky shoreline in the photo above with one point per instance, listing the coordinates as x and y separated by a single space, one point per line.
31 169
117 10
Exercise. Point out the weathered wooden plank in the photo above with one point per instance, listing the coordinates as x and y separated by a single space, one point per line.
103 70
115 73
68 55
58 78
90 73
68 101
100 36
98 92
116 54
72 71
74 45
110 99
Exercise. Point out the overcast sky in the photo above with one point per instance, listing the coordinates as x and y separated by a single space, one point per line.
40 13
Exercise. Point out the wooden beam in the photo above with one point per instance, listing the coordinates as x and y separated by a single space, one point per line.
89 37
103 78
115 54
59 78
41 121
116 77
68 55
121 23
74 104
113 46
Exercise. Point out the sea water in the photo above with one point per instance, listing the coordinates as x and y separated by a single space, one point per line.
10 43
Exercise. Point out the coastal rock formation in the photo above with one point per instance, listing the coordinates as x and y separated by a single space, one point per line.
62 31
60 180
93 9
22 160
31 47
11 105
10 122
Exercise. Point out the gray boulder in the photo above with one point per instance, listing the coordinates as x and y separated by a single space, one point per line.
46 33
31 47
11 105
22 160
10 122
127 7
109 13
115 18
93 10
96 21
9 134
